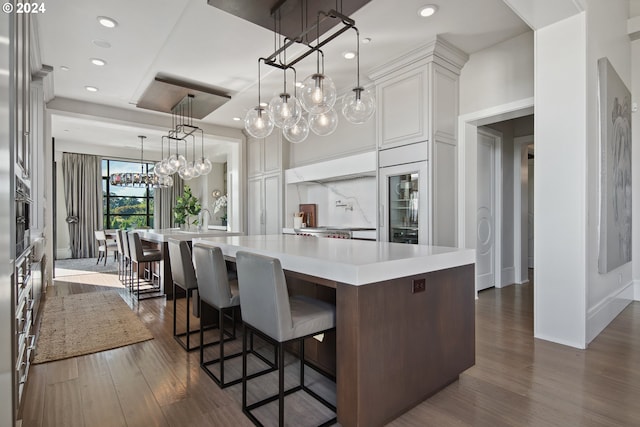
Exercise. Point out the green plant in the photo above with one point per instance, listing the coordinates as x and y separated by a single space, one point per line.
186 206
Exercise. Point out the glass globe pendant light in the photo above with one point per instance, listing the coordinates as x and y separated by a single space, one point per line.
324 124
258 121
359 106
285 109
298 132
318 94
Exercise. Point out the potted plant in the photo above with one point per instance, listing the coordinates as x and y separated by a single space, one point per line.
186 206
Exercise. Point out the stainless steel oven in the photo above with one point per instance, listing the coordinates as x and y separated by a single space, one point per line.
23 217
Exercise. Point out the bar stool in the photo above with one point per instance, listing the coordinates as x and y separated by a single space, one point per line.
128 271
121 257
215 291
139 255
268 310
184 277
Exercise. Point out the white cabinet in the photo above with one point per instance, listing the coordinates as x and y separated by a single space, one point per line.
417 96
265 204
266 158
265 155
403 109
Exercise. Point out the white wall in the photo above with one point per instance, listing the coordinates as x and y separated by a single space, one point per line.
498 75
607 294
347 139
560 169
493 82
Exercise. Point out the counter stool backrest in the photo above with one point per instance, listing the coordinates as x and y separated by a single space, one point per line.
264 299
213 281
119 242
135 246
181 264
124 238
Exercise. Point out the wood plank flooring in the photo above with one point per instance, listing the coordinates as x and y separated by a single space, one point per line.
517 380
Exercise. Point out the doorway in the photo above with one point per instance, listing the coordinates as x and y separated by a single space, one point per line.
468 176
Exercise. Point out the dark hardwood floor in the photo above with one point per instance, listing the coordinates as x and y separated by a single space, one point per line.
517 380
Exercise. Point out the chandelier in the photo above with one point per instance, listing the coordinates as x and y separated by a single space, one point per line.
318 93
183 132
142 179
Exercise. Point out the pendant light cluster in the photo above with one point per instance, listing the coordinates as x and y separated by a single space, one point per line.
141 179
315 107
183 130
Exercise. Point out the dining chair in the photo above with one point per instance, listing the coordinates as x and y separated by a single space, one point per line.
104 245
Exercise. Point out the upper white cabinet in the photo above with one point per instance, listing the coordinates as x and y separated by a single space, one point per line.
265 155
403 106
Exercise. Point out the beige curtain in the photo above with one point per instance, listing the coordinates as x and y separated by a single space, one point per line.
164 199
83 198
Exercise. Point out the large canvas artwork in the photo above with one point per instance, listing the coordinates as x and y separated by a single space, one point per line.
615 169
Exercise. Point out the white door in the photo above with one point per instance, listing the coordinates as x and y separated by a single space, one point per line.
486 233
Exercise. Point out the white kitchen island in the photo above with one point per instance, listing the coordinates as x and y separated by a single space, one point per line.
405 315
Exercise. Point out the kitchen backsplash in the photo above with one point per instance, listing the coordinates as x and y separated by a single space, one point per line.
346 203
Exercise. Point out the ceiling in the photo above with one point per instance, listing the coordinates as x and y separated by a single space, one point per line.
192 41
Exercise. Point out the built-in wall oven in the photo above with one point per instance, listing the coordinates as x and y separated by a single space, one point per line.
23 217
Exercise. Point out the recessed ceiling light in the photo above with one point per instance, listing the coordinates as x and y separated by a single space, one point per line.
366 40
102 43
298 84
428 10
263 104
105 21
348 55
91 88
64 68
99 62
237 119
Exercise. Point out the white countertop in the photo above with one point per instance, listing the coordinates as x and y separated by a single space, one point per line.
163 235
355 262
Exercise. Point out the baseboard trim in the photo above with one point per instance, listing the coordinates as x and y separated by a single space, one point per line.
599 316
63 253
508 276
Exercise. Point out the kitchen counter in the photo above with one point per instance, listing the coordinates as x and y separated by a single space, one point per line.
405 316
354 262
164 234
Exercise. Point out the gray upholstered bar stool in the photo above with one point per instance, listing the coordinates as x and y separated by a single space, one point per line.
268 310
184 277
215 291
139 255
128 272
121 257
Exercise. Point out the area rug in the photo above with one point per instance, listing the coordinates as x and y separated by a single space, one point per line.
73 325
76 266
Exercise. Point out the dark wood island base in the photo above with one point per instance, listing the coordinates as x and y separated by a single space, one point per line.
397 347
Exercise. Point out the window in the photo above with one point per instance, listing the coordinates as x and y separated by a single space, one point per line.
126 207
